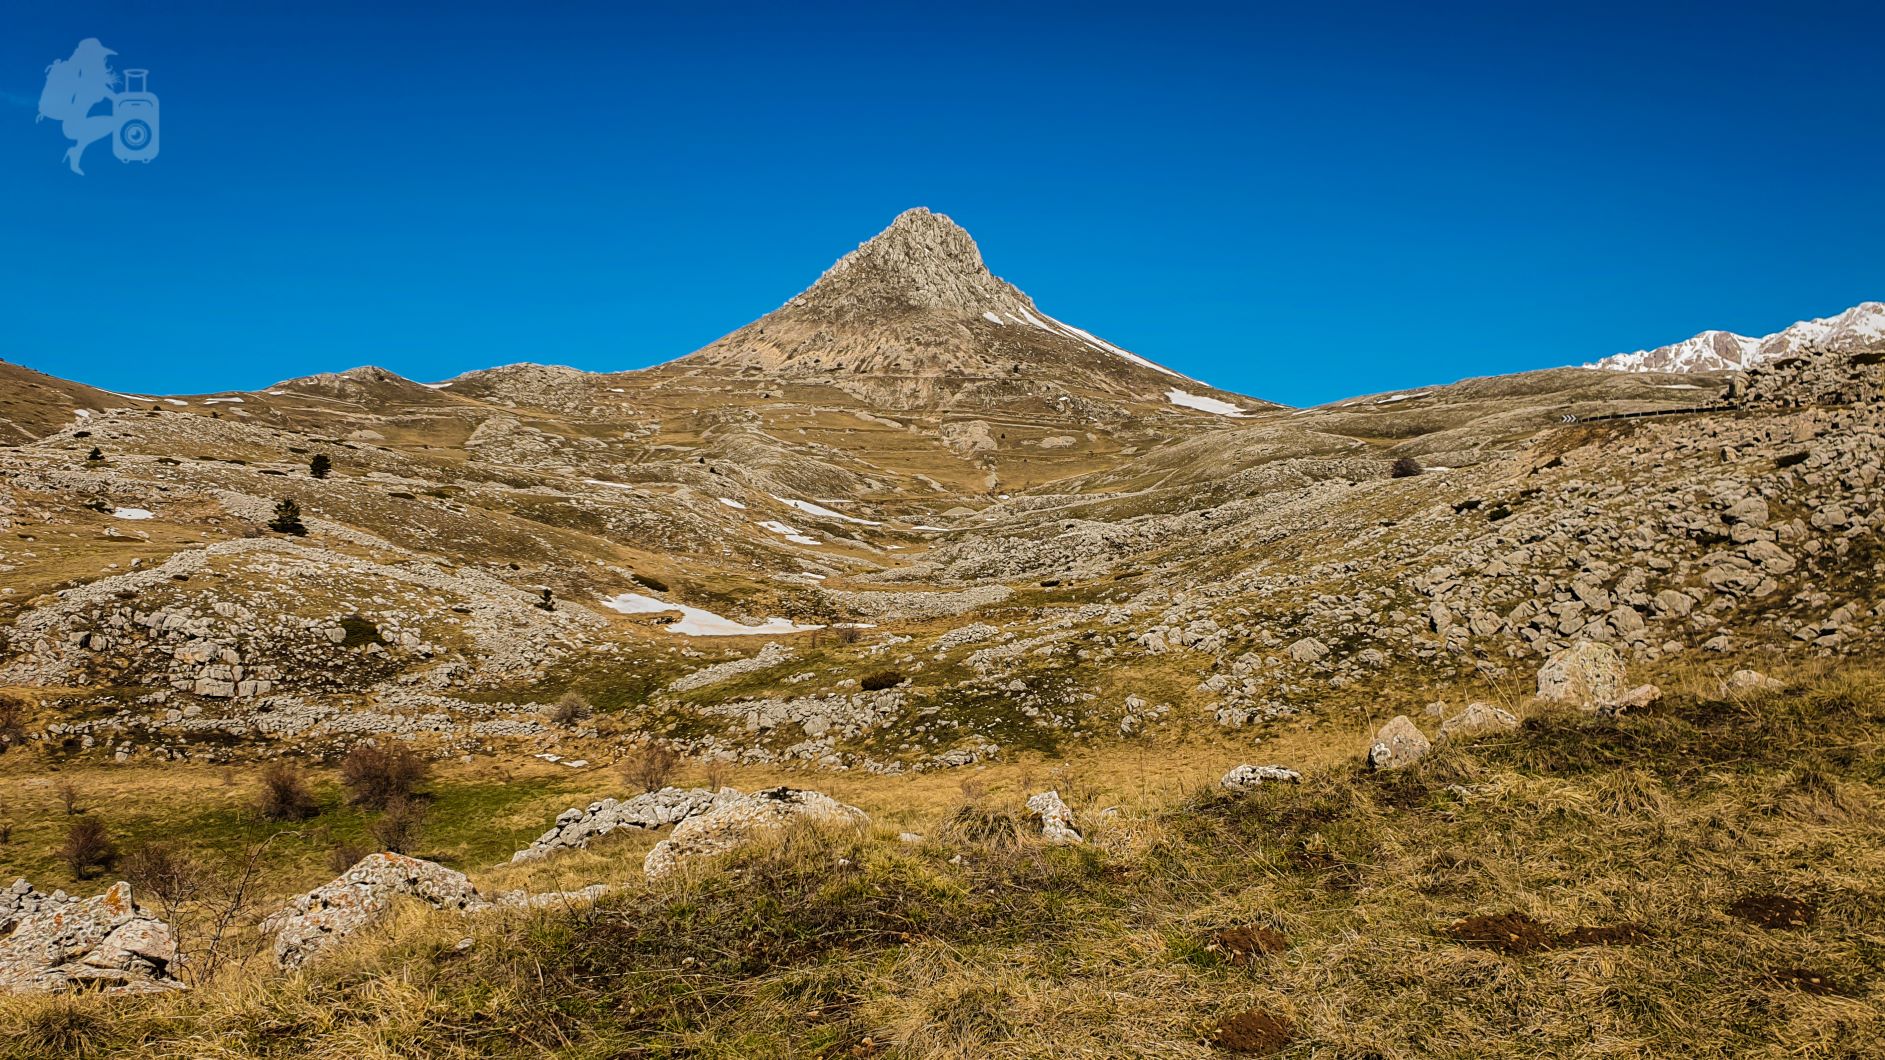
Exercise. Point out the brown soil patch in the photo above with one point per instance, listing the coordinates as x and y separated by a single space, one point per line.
1810 981
1603 935
1252 1033
1248 943
1773 910
1508 933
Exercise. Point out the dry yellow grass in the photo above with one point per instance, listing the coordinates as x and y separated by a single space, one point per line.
975 943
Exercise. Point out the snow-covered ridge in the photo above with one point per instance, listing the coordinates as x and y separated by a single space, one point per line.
1716 351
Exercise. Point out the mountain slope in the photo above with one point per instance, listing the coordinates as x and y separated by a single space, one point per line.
1858 329
914 318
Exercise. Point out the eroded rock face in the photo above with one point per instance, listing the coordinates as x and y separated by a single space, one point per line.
741 820
321 918
1248 777
1056 818
1586 673
656 809
1398 745
56 942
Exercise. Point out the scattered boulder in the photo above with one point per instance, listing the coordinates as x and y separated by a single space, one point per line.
57 942
1308 649
657 809
1753 681
1398 745
1586 673
1056 818
321 918
1477 718
1248 777
1639 697
738 821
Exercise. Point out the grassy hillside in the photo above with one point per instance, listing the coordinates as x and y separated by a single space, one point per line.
1704 878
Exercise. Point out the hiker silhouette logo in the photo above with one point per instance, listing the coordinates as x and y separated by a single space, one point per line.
77 87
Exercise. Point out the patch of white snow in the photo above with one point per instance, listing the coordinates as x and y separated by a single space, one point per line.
1203 404
698 622
820 510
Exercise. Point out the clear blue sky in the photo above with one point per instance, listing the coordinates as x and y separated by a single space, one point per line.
1298 204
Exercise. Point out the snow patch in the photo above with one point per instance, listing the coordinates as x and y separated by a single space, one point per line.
1101 344
823 512
176 401
1203 404
786 531
699 622
731 503
222 401
130 513
993 318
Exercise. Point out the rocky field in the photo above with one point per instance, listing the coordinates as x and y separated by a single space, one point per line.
912 674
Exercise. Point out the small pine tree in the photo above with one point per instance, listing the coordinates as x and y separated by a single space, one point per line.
548 602
288 518
95 454
320 465
1407 467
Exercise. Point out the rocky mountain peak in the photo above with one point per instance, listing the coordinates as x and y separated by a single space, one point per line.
923 260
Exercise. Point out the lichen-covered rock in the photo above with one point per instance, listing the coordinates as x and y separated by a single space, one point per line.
1586 673
1398 745
56 942
1056 818
1247 777
739 821
656 809
321 918
1477 718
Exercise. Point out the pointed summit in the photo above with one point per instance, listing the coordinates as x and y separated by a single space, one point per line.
913 318
923 260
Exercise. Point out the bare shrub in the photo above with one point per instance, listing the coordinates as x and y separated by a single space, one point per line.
376 776
569 710
345 856
285 794
12 720
881 680
88 848
716 774
167 873
398 828
650 766
69 798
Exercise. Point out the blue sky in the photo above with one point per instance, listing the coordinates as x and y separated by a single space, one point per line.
1299 204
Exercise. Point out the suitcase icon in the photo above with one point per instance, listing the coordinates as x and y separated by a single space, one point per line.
135 110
